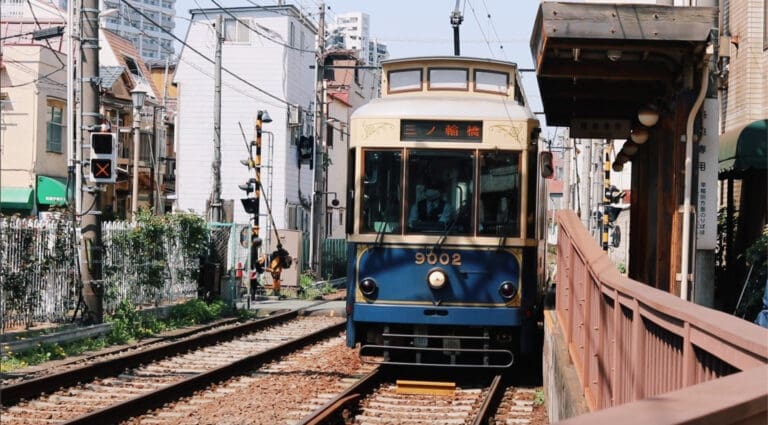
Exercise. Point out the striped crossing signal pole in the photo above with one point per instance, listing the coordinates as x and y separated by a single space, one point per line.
606 194
252 188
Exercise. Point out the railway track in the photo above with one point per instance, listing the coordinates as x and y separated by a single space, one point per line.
125 388
50 368
280 392
379 399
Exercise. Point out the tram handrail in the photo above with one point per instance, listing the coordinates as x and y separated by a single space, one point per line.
651 345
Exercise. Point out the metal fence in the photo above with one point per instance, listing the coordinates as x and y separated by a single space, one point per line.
39 271
37 279
334 257
629 341
122 269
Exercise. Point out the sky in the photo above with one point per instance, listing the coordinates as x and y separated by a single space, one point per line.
496 29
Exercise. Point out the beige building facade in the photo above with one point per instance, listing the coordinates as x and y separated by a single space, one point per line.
33 111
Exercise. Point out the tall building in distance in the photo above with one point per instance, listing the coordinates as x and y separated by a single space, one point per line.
153 42
351 31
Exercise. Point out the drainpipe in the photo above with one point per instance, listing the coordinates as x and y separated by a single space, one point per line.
686 249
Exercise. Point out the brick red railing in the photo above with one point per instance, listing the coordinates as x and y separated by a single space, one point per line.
630 342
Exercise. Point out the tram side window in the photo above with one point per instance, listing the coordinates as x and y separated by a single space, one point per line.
382 194
499 207
440 191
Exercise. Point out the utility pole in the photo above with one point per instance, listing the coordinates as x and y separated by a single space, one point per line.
568 158
215 201
91 248
586 186
318 203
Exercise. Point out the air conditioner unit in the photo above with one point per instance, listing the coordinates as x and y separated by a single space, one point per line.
295 115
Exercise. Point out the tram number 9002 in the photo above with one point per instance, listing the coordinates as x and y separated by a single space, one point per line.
444 258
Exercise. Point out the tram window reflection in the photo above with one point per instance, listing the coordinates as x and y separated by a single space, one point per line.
499 208
382 194
445 178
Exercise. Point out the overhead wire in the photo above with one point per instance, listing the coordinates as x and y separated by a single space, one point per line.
260 33
493 27
208 74
184 43
46 76
480 27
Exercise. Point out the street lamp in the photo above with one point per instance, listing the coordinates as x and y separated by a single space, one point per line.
138 95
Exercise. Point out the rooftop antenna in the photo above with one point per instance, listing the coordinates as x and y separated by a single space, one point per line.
456 20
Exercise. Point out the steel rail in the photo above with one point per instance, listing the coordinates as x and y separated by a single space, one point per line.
145 402
351 395
491 402
12 394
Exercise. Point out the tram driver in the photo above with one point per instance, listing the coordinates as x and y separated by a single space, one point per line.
432 212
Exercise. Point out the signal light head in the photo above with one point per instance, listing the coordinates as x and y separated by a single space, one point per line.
251 205
103 159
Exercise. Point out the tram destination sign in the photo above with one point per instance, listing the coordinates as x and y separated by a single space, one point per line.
432 130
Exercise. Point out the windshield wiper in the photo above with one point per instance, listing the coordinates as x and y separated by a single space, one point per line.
504 230
380 233
445 234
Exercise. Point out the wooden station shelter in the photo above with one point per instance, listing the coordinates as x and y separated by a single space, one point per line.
598 66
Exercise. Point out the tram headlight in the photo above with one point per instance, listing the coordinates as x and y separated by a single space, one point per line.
507 290
368 286
436 278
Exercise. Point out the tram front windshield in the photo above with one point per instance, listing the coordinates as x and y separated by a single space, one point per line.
436 192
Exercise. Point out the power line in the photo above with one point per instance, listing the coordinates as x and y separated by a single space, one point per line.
47 42
287 46
184 43
480 27
137 26
493 27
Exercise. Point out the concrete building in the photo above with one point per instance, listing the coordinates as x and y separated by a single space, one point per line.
151 40
349 34
743 153
266 54
33 110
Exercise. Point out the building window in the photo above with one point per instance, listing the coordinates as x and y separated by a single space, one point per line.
56 127
329 135
132 65
235 31
292 36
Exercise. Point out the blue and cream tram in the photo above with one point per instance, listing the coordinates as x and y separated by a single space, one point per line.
445 221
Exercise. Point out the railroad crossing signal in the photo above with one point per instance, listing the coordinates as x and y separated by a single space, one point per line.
103 157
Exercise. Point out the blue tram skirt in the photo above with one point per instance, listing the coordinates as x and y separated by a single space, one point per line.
437 315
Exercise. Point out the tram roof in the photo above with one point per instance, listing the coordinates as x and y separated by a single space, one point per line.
444 107
466 59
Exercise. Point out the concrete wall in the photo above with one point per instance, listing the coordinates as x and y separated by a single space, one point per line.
563 392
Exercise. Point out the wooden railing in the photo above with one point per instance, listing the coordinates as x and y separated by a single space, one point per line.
630 342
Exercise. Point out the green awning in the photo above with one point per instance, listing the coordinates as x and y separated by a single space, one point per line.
51 190
744 148
16 198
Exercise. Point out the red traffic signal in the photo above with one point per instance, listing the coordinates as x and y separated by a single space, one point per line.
103 157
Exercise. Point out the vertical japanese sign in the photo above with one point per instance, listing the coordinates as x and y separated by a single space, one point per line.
706 207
